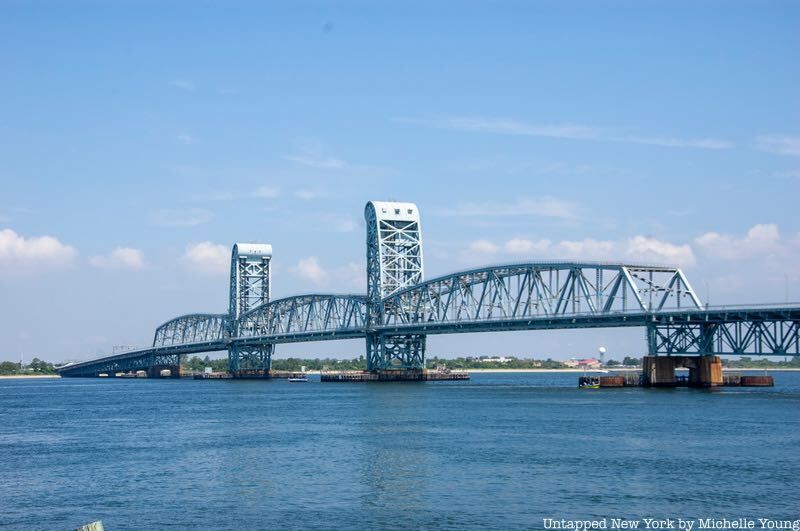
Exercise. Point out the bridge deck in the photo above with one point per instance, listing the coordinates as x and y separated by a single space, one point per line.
733 315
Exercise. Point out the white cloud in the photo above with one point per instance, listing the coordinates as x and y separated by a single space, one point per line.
351 277
566 131
119 258
760 239
310 269
586 249
208 258
639 248
523 246
782 145
651 249
482 247
549 207
344 224
180 218
267 192
329 163
697 143
219 195
22 255
183 84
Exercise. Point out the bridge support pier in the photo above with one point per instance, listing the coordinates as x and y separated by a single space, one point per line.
250 362
393 352
704 370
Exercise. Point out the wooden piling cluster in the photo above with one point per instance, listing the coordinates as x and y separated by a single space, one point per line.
638 380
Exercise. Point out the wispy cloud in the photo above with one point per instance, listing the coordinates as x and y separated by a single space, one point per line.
180 218
21 255
119 258
207 258
218 195
317 162
548 207
184 138
307 194
780 144
267 192
183 84
788 174
310 269
568 130
350 277
638 248
761 239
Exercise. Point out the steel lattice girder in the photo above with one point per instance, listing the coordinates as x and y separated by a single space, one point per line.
772 332
192 328
540 290
305 314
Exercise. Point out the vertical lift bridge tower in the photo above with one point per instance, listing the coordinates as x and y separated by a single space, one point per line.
249 287
394 262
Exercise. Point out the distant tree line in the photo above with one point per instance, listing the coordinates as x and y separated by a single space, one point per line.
36 366
763 363
626 362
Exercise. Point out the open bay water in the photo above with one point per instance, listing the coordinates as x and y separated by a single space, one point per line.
504 450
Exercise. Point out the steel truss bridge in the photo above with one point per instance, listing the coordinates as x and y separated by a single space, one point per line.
401 309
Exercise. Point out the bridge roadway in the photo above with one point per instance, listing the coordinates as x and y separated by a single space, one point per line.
769 330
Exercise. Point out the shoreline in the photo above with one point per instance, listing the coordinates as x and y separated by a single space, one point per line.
29 376
478 371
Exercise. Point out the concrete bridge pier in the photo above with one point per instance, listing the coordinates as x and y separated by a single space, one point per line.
704 370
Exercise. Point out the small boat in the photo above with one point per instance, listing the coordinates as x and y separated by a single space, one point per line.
298 378
589 382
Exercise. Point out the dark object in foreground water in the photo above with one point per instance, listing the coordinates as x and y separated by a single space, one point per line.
635 380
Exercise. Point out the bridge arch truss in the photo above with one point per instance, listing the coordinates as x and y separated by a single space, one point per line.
540 290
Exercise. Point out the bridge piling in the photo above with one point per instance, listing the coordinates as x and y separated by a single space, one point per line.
704 370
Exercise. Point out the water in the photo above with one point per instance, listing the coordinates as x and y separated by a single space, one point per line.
500 451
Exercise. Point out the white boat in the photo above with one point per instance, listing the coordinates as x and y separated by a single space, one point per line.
298 378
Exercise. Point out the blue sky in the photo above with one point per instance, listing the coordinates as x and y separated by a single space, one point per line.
139 140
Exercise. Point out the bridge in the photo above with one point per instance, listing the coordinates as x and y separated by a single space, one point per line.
401 308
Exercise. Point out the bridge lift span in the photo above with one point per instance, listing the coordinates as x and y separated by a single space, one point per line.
401 308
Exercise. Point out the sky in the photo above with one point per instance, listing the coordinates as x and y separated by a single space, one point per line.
140 140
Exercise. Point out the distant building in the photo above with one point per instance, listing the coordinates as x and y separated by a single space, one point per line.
500 359
588 363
